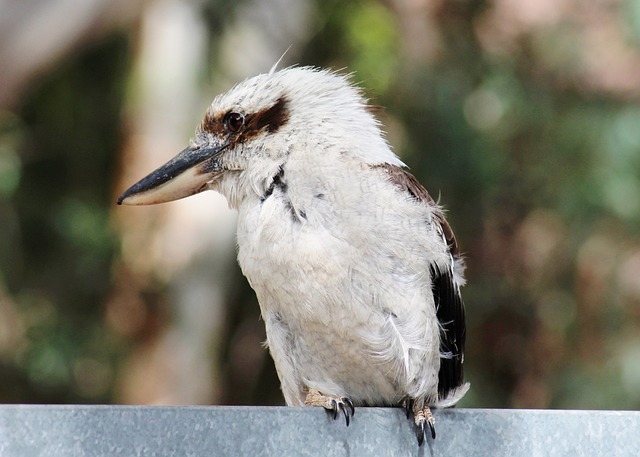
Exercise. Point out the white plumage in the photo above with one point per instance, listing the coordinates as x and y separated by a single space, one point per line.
354 266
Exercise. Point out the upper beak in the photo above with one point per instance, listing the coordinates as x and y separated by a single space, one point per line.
186 174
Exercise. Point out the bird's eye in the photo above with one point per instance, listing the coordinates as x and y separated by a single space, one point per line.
233 121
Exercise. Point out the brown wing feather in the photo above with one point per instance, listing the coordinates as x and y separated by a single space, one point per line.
407 182
446 292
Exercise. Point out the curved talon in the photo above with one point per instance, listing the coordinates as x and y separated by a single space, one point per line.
345 405
433 430
407 403
333 405
351 406
420 434
346 415
422 417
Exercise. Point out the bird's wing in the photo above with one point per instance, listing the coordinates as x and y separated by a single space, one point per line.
446 290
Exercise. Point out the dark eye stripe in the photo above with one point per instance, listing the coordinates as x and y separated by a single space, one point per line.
271 118
245 127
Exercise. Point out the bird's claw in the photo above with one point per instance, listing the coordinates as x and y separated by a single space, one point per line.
407 404
422 418
332 404
421 430
345 405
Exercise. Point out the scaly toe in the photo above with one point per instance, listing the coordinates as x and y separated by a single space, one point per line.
422 418
333 404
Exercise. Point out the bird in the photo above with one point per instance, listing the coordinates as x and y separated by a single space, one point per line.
356 270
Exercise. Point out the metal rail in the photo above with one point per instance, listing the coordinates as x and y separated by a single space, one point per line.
128 431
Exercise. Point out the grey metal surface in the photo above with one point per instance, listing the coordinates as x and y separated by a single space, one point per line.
69 431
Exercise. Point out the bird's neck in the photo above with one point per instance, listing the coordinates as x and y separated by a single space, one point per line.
250 185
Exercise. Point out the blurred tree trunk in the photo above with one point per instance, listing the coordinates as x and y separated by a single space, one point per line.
33 37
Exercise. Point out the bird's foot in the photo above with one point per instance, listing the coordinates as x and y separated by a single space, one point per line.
335 404
422 418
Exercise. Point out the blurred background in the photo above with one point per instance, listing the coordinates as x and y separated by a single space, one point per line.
523 115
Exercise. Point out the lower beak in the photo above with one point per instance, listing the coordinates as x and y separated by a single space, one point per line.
186 174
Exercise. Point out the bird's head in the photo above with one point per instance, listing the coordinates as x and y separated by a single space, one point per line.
250 132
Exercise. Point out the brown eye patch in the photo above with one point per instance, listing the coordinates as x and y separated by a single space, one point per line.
271 118
250 125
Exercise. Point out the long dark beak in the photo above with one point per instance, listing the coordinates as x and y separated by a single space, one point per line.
186 174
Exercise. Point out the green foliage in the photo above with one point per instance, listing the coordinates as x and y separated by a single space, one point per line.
530 142
57 260
372 41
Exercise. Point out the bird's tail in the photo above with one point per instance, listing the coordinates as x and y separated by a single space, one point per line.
453 396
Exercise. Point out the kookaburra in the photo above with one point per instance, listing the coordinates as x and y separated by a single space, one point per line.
356 270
